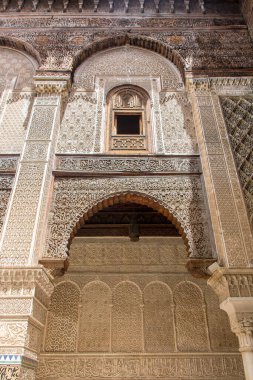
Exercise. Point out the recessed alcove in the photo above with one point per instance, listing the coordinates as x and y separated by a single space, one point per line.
116 220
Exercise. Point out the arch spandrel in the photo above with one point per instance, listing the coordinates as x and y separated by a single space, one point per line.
126 40
138 61
175 197
19 65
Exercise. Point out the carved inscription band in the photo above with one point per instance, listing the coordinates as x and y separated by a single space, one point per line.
129 164
162 367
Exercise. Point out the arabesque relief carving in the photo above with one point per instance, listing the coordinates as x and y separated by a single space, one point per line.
239 121
120 317
74 197
109 63
128 164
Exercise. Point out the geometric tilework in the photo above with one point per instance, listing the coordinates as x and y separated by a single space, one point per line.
238 113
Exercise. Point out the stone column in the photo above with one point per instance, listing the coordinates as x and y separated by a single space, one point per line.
24 298
234 288
25 286
230 223
21 242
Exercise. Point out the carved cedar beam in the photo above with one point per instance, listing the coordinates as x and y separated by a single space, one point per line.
5 4
50 4
80 5
65 5
35 5
126 5
20 5
202 6
172 6
157 2
187 6
142 5
96 2
111 6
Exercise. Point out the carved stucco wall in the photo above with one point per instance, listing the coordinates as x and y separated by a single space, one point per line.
181 196
135 298
16 71
7 170
238 114
6 182
83 128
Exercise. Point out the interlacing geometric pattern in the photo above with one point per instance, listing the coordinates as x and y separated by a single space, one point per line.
238 113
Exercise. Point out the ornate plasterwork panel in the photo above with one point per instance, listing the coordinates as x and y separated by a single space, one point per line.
6 182
158 306
94 321
16 64
62 318
238 113
131 323
227 210
108 254
126 319
17 70
15 118
122 316
190 336
78 127
177 124
136 62
180 195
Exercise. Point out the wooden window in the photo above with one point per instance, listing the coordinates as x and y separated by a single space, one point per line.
128 119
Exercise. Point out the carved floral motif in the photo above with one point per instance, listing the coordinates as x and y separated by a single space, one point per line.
181 196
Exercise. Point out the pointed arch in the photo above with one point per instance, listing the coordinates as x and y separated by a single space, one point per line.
125 198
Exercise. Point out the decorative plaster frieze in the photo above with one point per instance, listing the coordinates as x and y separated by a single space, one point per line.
220 84
23 282
141 367
144 164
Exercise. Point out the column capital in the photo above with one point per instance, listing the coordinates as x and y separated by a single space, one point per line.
52 83
235 291
240 313
231 282
27 280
